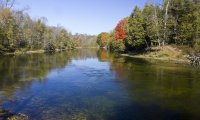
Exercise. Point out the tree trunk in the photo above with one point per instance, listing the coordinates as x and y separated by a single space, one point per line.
147 43
165 22
156 23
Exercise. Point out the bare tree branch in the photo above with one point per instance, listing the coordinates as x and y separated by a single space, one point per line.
7 4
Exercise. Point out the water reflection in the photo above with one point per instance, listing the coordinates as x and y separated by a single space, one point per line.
16 71
167 90
95 84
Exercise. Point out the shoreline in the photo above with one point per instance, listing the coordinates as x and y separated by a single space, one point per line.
42 51
176 60
25 52
167 53
157 58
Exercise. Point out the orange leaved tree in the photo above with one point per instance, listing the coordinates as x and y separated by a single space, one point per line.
102 39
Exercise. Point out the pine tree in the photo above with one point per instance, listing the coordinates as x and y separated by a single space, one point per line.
136 33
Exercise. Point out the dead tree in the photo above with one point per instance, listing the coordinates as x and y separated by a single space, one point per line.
7 4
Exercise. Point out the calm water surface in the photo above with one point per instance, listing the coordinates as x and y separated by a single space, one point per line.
91 84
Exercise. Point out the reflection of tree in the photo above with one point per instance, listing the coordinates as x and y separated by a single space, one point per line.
18 71
170 87
116 61
85 53
103 55
118 66
106 56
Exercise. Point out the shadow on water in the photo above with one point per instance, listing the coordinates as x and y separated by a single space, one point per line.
98 85
151 112
161 90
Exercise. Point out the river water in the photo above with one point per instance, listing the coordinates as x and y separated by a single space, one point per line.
90 84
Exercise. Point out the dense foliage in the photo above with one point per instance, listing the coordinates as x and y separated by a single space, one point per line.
19 32
85 40
173 22
102 39
121 30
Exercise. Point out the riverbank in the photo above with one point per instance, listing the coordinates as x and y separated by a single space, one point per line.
166 53
25 52
21 52
31 52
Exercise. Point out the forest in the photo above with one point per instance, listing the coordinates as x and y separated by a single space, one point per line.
174 22
20 32
142 72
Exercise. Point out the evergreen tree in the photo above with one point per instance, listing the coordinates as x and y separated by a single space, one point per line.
136 33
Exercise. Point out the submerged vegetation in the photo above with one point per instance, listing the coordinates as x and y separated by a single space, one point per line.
175 22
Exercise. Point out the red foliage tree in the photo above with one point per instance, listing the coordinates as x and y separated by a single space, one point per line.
121 30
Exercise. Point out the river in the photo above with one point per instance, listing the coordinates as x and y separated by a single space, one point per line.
90 84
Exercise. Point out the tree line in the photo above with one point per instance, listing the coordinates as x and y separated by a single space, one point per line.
85 40
18 31
172 22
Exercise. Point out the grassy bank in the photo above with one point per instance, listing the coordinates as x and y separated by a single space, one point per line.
165 53
20 52
24 51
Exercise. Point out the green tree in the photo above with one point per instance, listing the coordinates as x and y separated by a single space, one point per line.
185 22
102 39
152 24
9 30
38 34
136 32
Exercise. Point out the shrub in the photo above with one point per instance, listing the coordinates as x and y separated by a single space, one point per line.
50 48
117 46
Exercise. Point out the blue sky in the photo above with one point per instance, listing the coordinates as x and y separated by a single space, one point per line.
81 16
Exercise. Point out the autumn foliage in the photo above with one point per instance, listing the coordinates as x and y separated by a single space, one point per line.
103 55
102 39
121 30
